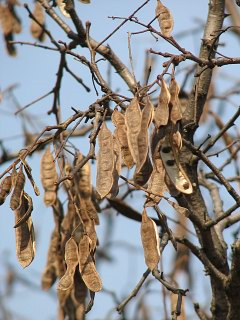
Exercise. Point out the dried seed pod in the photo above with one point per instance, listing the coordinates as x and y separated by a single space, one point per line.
71 259
175 113
25 239
84 183
150 241
27 214
165 19
161 114
105 161
176 140
5 188
49 177
36 30
157 181
174 169
28 171
87 267
92 212
15 201
118 120
78 296
89 224
133 118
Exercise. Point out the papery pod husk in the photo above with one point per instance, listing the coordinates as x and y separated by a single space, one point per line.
85 1
67 223
150 241
16 198
116 168
144 166
176 140
78 296
92 211
89 224
28 171
49 178
71 260
133 119
175 108
165 19
9 24
68 170
87 266
105 162
161 114
85 183
5 188
25 238
118 119
29 209
174 301
61 5
36 30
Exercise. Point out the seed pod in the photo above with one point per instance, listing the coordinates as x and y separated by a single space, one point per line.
150 241
27 214
176 140
85 1
105 162
5 188
25 239
165 19
71 259
92 212
161 114
87 267
84 183
133 118
28 171
61 5
118 120
49 177
15 201
174 169
36 30
157 182
175 113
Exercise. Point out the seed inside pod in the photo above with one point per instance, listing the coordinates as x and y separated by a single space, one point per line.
170 162
166 149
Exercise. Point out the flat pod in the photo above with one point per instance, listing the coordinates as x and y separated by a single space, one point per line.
5 188
15 201
133 118
157 181
175 113
161 114
105 161
150 241
118 118
84 182
29 209
87 267
121 134
174 170
36 29
165 19
61 5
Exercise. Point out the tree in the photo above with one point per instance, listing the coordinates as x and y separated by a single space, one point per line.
172 147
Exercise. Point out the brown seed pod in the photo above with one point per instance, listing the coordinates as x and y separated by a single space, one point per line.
89 224
105 161
28 171
92 212
118 119
15 201
25 239
161 114
87 267
150 241
61 5
133 118
49 177
5 188
157 182
36 30
27 214
71 259
175 113
165 19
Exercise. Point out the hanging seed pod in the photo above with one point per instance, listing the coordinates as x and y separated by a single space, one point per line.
15 201
78 296
105 162
157 181
28 171
62 7
150 241
87 267
175 113
165 19
161 114
27 214
5 188
49 177
116 168
174 169
25 238
133 118
118 120
36 30
71 259
176 140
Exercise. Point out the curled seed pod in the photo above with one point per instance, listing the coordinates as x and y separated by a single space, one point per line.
36 30
15 201
87 267
89 224
133 118
161 114
105 161
165 19
5 188
92 212
62 7
25 239
174 169
71 259
49 177
150 241
78 296
157 182
118 120
28 171
175 113
27 214
176 140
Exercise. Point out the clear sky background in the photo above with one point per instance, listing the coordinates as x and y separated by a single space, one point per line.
34 70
